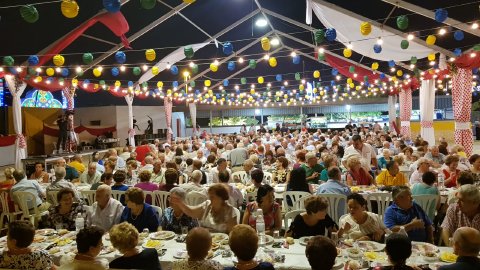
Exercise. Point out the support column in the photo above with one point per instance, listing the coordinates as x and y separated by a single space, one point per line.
211 122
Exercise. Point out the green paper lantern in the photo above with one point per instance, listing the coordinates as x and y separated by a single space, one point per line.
31 71
365 78
402 22
195 68
87 58
413 60
148 4
29 13
79 73
243 80
252 64
298 77
416 71
319 36
321 57
340 88
136 71
8 61
188 51
404 44
192 84
144 84
102 82
319 85
61 80
476 47
351 69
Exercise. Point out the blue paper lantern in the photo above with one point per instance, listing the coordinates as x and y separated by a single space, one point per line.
115 72
327 88
174 70
331 34
33 60
13 70
130 84
197 92
334 71
296 59
475 70
175 84
279 77
86 82
382 76
391 63
120 57
377 48
367 84
225 82
441 15
457 52
458 35
297 96
231 66
65 72
112 5
227 48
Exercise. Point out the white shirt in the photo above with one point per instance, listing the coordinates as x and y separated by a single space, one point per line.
147 167
416 178
366 155
85 178
107 217
190 186
214 174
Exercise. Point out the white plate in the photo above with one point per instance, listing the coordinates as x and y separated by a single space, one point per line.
269 240
162 235
304 240
156 247
219 237
180 254
370 246
45 232
423 247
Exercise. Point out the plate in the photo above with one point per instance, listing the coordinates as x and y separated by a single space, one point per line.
152 244
64 241
180 254
374 256
45 232
304 240
423 247
448 257
269 240
106 250
162 235
370 246
39 238
354 253
219 237
349 242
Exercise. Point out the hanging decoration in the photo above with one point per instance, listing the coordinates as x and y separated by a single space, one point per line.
404 44
365 28
120 57
399 73
87 58
351 69
441 15
148 4
272 61
115 72
227 48
319 36
50 71
243 80
252 64
377 48
431 57
32 60
265 43
213 67
159 84
188 51
375 65
296 60
298 77
402 22
150 55
58 60
136 71
174 70
391 63
195 68
260 80
29 13
458 35
69 8
316 74
225 82
189 1
279 77
331 34
413 60
96 72
112 6
431 39
334 71
155 70
231 66
347 52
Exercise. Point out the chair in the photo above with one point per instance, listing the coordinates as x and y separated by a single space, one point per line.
195 198
89 196
267 178
237 212
242 177
428 204
52 197
292 197
148 194
33 214
382 199
335 207
289 217
158 210
251 196
117 194
6 213
160 198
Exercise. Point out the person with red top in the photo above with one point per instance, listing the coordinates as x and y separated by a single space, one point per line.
356 174
142 150
272 213
451 172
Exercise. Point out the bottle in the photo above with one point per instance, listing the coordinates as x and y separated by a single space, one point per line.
402 231
260 225
441 181
388 232
79 222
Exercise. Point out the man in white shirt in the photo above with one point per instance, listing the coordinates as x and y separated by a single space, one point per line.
366 152
423 166
200 157
221 167
158 173
148 164
194 184
60 183
125 154
91 176
23 184
106 211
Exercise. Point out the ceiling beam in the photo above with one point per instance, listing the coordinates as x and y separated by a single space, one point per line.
99 39
430 14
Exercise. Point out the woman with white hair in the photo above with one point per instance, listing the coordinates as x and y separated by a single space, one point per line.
173 218
194 183
386 157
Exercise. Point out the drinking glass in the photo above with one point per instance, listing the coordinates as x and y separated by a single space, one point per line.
276 234
334 237
184 230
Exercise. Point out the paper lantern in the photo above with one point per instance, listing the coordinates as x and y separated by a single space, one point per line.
155 70
137 71
96 72
175 84
159 84
431 39
349 80
38 78
476 47
319 36
252 64
278 77
150 55
272 61
120 57
457 52
399 73
322 93
32 71
296 60
87 58
431 57
413 60
227 48
74 82
112 5
118 84
316 74
265 43
243 80
33 60
102 82
231 65
375 65
331 34
377 48
301 87
382 76
298 77
65 72
192 83
441 15
174 70
213 67
8 61
189 1
58 60
365 78
351 69
347 52
365 28
50 71
260 80
195 68
404 44
225 82
321 56
334 71
391 63
402 22
207 83
188 51
458 35
29 13
115 72
351 85
69 8
148 4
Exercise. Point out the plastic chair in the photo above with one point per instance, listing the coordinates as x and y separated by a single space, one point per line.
117 194
292 197
383 201
89 196
160 198
237 212
267 178
6 213
290 216
33 214
158 210
148 194
242 177
251 196
52 197
335 207
195 198
428 204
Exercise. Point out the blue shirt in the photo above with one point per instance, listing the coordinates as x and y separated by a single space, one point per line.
70 173
121 188
31 186
148 218
395 216
335 187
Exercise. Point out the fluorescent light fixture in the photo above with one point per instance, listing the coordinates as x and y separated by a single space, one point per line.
261 22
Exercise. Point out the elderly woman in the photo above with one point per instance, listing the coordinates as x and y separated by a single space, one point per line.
199 242
124 237
475 168
269 159
272 213
215 213
280 173
243 242
329 162
408 152
19 255
359 224
39 174
64 214
321 252
384 159
315 221
171 180
146 185
173 218
138 213
451 172
356 174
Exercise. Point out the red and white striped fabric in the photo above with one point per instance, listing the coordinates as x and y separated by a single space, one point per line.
405 98
462 107
69 94
167 102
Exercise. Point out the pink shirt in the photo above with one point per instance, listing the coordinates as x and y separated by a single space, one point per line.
147 186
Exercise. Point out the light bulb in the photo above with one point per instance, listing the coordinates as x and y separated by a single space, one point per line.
122 68
475 25
293 54
240 60
379 41
410 37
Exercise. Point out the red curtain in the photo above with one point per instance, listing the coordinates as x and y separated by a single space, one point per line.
343 67
466 61
50 131
7 140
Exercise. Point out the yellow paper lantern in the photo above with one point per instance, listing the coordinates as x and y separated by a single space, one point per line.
349 80
351 85
175 94
213 67
394 79
347 52
189 1
207 83
118 83
50 71
252 91
214 98
358 87
316 74
315 90
375 65
365 28
155 70
301 87
97 72
38 78
58 60
285 96
272 62
322 93
431 40
96 86
399 73
431 57
431 71
169 92
150 54
159 84
265 44
261 80
74 82
210 92
69 8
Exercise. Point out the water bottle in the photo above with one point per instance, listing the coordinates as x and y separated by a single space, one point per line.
402 231
441 181
388 232
260 225
79 222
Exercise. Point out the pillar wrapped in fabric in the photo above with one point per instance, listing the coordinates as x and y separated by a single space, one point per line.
131 129
392 111
193 114
462 106
168 116
427 107
405 97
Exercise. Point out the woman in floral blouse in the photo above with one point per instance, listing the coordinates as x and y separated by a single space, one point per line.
173 218
64 214
19 255
280 174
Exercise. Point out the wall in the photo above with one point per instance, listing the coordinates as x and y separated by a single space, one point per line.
444 129
107 116
180 130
